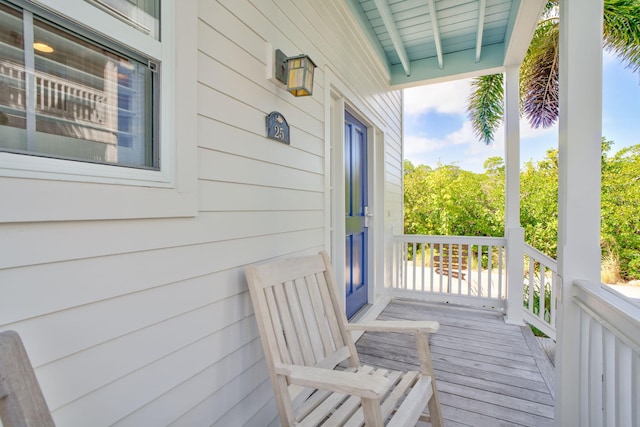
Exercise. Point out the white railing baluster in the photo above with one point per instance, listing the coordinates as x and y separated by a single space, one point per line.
415 261
490 269
635 415
543 291
404 266
422 267
532 283
440 254
554 300
460 260
471 270
480 250
609 381
609 350
431 261
595 372
542 269
447 258
585 323
500 267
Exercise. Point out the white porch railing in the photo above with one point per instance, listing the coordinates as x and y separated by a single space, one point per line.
460 269
609 357
469 270
539 293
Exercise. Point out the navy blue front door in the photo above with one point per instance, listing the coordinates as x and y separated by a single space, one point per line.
356 200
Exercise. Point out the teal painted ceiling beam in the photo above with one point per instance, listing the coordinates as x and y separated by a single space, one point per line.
436 32
482 6
390 24
426 41
460 64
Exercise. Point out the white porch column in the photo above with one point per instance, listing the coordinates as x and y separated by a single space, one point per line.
579 186
513 232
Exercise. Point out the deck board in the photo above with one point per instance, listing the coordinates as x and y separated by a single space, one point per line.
486 372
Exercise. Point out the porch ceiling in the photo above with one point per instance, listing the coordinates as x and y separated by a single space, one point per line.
421 41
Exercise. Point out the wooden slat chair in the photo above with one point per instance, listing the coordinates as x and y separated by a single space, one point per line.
314 367
21 401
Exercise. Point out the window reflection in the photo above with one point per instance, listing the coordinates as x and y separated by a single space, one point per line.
88 102
12 80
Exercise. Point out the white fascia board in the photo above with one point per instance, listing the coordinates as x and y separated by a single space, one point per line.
521 28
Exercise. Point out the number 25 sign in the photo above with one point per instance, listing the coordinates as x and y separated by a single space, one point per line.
277 127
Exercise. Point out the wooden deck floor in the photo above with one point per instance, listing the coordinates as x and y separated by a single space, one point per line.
488 373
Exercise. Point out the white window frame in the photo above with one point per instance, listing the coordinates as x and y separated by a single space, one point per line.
125 191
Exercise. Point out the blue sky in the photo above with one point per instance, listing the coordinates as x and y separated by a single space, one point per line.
437 130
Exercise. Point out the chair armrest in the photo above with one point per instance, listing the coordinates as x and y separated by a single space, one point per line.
351 383
415 326
420 328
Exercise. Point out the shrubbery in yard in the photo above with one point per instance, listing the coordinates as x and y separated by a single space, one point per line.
447 200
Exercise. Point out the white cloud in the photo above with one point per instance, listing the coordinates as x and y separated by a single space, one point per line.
461 146
415 145
447 98
527 131
465 150
464 135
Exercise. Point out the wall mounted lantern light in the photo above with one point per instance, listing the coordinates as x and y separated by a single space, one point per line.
296 72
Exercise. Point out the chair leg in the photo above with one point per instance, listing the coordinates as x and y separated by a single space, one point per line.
426 368
372 413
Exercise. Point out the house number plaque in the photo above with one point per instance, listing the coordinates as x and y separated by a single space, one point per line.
277 127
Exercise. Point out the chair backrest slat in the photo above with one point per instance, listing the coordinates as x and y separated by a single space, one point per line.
300 327
287 326
294 300
312 329
277 331
333 319
22 403
320 311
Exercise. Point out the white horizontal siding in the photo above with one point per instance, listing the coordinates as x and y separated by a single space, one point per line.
64 285
148 322
40 243
219 136
184 397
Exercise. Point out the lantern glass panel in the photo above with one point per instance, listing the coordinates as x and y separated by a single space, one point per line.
300 76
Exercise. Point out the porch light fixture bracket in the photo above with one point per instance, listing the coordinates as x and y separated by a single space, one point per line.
296 72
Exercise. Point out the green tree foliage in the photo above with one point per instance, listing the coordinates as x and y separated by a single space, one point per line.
539 203
447 200
620 208
450 201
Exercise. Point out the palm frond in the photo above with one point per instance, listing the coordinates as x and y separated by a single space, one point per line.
622 31
485 108
539 80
